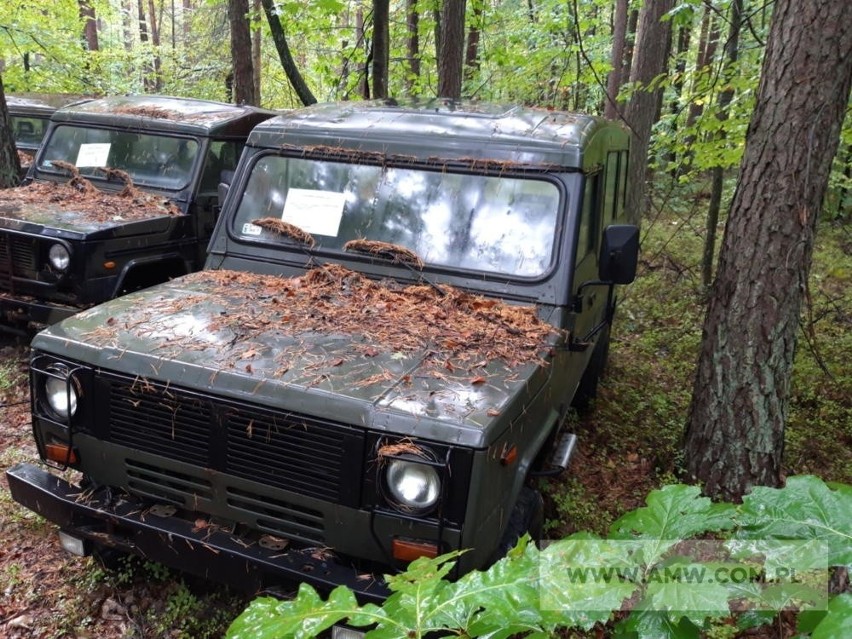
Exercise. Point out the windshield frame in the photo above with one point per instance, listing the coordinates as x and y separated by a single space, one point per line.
294 252
189 170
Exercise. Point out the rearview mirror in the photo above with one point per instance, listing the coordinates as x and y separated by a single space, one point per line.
619 254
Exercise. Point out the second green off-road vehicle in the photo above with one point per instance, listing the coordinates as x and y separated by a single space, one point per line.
122 194
399 306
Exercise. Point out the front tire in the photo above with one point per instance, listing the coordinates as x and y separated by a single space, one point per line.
587 390
527 517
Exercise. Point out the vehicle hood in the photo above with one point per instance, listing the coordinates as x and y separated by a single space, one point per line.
245 342
55 220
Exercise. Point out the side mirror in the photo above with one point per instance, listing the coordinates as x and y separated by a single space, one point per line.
619 254
225 179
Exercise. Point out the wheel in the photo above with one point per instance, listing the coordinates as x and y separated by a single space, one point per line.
527 517
588 387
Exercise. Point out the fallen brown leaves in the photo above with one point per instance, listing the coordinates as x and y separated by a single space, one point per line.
91 204
449 323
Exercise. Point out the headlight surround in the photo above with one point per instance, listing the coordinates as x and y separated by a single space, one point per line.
60 392
415 487
59 257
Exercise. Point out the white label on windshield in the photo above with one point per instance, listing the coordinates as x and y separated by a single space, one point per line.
252 229
93 154
317 212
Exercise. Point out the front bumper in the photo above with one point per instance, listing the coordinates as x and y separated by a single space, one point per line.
123 523
19 314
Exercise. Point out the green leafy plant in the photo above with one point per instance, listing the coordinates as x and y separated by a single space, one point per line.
532 592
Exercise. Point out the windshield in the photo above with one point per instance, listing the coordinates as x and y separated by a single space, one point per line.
157 161
503 225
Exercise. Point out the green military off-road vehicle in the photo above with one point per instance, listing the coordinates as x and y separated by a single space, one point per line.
29 119
399 305
122 195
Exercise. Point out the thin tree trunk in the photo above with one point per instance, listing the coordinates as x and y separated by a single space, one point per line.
242 68
155 41
364 69
381 43
649 61
412 22
471 56
452 49
256 50
731 55
147 68
287 62
735 432
630 43
614 81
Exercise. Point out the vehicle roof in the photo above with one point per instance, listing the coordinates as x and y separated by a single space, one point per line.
165 113
441 129
19 106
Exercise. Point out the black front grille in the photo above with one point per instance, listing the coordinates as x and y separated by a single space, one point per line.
18 257
297 453
159 420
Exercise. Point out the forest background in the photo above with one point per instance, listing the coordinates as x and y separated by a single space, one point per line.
691 77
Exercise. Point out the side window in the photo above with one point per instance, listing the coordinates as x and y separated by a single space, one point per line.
587 240
221 156
610 207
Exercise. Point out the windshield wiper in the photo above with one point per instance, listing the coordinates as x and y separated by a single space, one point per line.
394 253
286 229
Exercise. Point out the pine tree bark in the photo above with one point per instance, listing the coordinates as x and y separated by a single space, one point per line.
10 165
653 38
242 59
471 53
452 49
735 433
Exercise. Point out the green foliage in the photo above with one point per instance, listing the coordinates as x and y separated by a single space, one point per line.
535 592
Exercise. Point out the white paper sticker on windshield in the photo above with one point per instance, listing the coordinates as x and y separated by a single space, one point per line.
93 154
252 229
316 212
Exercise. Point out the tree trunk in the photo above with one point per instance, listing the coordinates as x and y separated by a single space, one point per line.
614 81
452 49
629 44
735 433
364 69
381 37
471 55
731 56
155 41
256 44
147 68
10 165
242 68
412 21
287 62
649 61
90 24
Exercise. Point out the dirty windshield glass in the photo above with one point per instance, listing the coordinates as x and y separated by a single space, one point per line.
495 224
157 161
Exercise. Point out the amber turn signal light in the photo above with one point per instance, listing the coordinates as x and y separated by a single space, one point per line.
60 454
409 549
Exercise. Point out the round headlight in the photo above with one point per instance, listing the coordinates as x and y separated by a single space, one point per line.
59 257
414 486
61 396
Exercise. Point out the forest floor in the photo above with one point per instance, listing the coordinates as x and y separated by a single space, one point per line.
629 445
